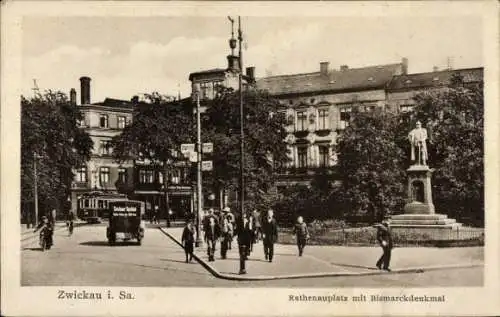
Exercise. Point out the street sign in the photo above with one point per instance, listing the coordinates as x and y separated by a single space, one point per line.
193 156
189 147
206 166
208 147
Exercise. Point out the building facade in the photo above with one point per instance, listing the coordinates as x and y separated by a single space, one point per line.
102 121
318 107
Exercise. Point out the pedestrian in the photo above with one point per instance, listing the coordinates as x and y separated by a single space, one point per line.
188 240
269 235
230 216
226 236
384 238
156 212
47 228
301 233
244 240
252 233
257 219
211 235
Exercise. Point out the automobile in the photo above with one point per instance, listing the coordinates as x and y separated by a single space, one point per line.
126 221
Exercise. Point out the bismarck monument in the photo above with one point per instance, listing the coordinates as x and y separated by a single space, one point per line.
419 211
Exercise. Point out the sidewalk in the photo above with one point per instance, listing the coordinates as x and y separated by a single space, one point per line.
320 261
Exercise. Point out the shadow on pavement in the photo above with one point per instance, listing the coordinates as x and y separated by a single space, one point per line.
105 243
33 249
178 261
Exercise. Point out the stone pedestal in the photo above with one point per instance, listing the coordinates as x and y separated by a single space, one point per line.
419 213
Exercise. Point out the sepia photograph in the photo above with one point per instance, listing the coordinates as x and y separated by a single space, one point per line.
241 150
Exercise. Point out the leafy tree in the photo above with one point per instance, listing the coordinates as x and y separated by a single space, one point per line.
160 125
454 120
370 165
51 136
264 143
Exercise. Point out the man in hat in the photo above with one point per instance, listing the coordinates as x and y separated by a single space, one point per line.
418 138
269 235
384 238
244 229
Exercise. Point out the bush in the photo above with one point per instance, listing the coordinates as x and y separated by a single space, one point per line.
322 235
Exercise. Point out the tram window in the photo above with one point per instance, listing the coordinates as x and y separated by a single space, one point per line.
86 203
100 204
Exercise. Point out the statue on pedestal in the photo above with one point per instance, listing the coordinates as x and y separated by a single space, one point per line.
418 138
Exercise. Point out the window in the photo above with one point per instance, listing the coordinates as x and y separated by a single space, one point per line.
345 117
103 121
323 156
301 121
207 90
122 175
302 156
104 175
160 177
146 176
105 147
81 174
323 119
218 86
122 122
175 176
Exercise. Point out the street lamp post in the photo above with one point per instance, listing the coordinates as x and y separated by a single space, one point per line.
35 177
198 242
242 135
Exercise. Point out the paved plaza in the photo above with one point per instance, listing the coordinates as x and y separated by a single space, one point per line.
85 259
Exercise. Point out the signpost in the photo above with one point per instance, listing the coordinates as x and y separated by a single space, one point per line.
207 148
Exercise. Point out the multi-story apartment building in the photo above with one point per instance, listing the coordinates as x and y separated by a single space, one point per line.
402 89
206 83
102 121
318 107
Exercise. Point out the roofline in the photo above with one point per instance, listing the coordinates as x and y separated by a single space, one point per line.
339 71
441 71
209 71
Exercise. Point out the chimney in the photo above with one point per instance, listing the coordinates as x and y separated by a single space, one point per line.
404 63
344 67
72 96
323 68
435 69
85 90
135 99
251 73
233 63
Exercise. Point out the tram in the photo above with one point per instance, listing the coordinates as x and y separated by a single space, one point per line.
94 206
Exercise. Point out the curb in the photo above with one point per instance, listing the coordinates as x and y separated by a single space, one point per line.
30 236
207 266
235 277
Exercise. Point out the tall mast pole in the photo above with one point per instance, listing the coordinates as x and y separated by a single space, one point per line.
242 135
198 171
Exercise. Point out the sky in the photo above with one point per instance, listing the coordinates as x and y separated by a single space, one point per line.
126 56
